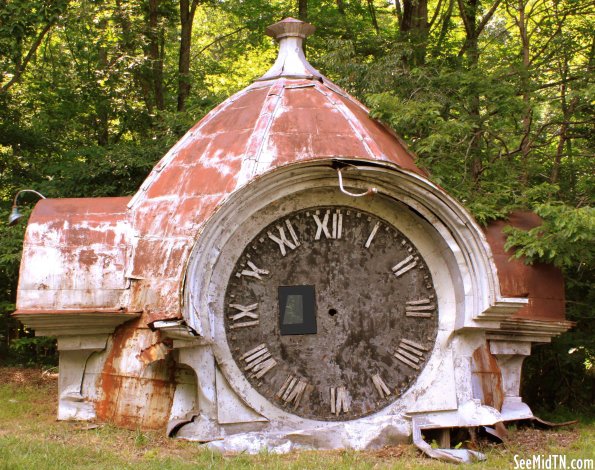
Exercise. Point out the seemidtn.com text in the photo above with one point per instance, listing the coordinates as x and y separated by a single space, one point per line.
551 462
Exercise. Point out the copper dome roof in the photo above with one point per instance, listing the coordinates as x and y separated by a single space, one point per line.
292 113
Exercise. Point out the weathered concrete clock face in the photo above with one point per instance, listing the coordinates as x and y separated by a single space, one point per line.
331 313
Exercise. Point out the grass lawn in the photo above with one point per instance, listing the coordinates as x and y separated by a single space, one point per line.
31 438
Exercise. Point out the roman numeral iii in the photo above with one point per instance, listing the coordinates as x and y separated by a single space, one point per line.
422 308
410 353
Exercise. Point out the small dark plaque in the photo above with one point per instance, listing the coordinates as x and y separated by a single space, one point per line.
297 310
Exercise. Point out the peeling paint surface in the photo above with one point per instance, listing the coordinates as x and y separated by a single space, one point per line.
487 378
136 389
74 256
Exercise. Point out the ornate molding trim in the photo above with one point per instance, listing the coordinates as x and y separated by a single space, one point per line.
72 323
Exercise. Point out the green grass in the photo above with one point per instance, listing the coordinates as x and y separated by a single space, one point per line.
31 438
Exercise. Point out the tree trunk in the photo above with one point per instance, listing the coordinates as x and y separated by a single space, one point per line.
445 24
129 44
527 119
103 105
473 28
155 54
563 137
468 11
372 11
187 11
399 11
415 28
303 10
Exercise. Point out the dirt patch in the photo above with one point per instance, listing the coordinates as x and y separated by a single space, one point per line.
24 376
389 452
535 440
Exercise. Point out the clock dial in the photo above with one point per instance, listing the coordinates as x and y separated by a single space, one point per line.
330 313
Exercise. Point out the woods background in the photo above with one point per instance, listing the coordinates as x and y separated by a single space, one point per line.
496 97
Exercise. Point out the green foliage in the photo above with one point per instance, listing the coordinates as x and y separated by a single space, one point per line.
566 238
565 371
33 352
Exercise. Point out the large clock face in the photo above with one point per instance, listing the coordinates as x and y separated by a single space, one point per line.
331 313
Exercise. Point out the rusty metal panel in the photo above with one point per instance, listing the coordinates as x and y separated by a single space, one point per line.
158 298
137 383
74 255
486 378
543 284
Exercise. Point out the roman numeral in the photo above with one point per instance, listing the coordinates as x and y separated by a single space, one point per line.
322 225
259 361
337 225
339 400
381 387
410 353
292 390
372 235
422 308
245 311
282 240
402 267
253 271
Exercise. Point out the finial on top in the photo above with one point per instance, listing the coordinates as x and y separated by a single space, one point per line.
290 27
291 61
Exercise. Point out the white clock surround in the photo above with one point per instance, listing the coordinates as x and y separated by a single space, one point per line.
447 238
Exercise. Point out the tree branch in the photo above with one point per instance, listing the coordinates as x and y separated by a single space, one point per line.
480 26
487 17
436 13
21 68
220 38
465 18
